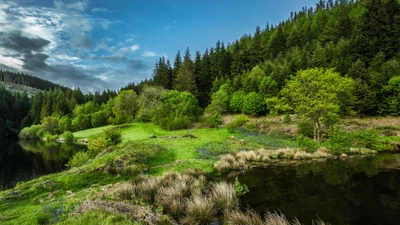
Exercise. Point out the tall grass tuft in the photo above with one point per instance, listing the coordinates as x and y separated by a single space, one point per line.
248 217
224 197
200 210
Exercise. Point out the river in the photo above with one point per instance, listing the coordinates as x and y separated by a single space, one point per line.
26 160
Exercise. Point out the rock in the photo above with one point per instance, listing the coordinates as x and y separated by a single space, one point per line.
343 155
152 136
189 136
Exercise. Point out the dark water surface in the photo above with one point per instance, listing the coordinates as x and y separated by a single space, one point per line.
361 190
26 160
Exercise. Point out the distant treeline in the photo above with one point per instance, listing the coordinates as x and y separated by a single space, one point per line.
28 80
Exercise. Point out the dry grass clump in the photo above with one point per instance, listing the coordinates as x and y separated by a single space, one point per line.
248 217
224 196
244 159
200 210
142 213
145 187
275 218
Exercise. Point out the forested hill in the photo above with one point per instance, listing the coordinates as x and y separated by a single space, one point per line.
359 39
28 80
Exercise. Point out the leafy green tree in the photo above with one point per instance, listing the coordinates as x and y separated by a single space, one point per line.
253 104
220 100
125 105
65 124
316 93
149 102
178 110
391 104
237 101
50 125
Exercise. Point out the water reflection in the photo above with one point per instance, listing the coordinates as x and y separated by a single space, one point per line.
25 160
362 190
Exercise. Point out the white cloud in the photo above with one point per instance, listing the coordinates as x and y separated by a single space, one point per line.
149 54
79 6
11 62
135 48
99 10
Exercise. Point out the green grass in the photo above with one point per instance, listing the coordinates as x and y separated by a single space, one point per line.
89 133
169 152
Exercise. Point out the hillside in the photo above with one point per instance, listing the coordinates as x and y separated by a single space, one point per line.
12 87
28 80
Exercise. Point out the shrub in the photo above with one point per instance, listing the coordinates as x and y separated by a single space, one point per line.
339 140
31 132
50 125
287 119
253 104
237 100
305 128
65 123
240 189
78 159
50 137
178 123
98 144
212 121
238 122
369 139
307 144
178 110
113 136
68 136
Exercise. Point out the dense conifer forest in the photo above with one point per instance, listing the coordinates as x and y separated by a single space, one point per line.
357 39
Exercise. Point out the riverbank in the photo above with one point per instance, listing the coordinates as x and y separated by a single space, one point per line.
146 150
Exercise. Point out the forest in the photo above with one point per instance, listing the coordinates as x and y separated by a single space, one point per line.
356 40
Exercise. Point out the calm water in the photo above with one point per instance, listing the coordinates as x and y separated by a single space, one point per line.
352 191
25 160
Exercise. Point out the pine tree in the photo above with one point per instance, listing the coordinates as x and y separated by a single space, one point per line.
186 79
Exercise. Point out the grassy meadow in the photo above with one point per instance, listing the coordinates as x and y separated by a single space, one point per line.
83 194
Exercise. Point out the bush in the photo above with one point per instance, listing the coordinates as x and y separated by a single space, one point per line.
211 121
109 137
240 189
68 136
369 139
253 104
176 124
50 125
50 137
339 140
31 132
65 124
238 122
97 145
305 128
237 100
78 159
113 136
307 144
287 119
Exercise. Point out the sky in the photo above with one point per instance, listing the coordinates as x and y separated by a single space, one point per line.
106 44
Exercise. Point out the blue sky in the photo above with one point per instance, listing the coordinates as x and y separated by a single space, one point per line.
105 44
